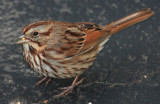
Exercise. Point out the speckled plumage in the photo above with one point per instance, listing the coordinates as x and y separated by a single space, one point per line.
65 50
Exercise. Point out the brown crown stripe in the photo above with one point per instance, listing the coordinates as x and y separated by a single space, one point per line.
33 25
50 65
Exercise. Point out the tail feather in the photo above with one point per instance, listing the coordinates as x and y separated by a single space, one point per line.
129 20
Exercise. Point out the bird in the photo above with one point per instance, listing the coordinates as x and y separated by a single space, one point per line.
63 50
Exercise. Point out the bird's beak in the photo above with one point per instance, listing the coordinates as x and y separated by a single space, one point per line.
22 40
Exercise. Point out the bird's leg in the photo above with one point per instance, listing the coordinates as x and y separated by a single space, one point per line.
48 81
69 89
42 80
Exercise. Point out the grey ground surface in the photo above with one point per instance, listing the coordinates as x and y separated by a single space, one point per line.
126 71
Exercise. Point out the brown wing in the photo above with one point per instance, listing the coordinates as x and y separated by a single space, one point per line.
94 36
81 37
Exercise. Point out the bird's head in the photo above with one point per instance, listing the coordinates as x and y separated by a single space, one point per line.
36 34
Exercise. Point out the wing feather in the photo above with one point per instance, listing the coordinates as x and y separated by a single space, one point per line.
82 37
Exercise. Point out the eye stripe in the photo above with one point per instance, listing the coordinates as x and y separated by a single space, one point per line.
47 32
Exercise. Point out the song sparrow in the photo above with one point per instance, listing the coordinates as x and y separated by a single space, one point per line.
65 50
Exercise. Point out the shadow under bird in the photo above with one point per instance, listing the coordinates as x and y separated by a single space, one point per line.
65 50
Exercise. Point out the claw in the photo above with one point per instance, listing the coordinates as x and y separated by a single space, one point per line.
42 80
69 89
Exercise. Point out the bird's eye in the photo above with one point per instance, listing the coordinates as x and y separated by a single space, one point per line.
35 33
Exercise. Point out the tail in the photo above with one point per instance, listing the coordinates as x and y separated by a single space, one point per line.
129 20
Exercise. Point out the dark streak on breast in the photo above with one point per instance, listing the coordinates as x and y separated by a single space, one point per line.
42 70
32 50
35 60
47 63
40 62
56 75
39 44
54 69
47 73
